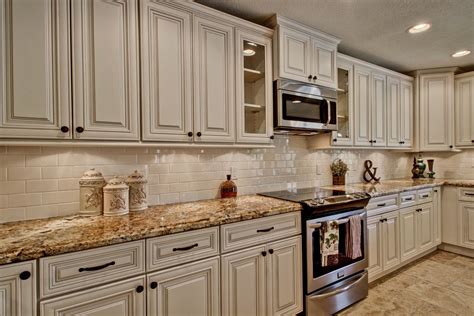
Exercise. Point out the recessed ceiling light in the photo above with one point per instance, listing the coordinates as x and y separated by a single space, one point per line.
461 53
249 52
419 28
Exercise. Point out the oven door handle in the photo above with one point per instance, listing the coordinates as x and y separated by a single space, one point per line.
338 221
341 290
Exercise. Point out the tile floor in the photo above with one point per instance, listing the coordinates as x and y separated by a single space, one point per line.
441 283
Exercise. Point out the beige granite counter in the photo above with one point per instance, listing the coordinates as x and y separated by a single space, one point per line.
26 240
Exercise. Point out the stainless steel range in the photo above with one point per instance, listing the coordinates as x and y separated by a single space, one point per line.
330 287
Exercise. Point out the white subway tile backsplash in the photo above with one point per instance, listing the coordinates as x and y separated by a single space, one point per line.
41 160
18 173
60 197
41 186
28 199
12 214
12 187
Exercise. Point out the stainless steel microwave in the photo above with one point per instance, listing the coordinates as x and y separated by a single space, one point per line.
304 107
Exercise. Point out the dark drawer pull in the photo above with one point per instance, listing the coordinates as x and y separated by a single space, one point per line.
25 275
186 248
266 230
408 199
468 194
381 204
97 267
424 196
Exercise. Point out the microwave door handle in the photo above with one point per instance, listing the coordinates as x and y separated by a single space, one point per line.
329 111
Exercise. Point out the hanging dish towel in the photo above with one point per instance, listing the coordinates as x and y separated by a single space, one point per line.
353 240
329 241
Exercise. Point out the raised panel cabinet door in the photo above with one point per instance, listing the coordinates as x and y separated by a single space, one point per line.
285 277
35 71
408 233
362 108
344 136
375 244
464 109
324 64
105 69
191 289
166 44
426 227
436 104
214 89
466 224
379 110
406 113
18 289
295 54
391 240
394 138
244 282
125 298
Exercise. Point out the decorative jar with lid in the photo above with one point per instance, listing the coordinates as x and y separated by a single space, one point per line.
115 197
90 201
136 182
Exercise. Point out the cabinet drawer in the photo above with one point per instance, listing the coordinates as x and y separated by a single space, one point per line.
69 272
466 194
424 196
382 204
408 198
252 232
166 251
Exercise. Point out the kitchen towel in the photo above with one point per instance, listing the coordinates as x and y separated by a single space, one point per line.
353 240
329 243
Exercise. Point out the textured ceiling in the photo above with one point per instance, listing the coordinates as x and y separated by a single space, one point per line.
375 30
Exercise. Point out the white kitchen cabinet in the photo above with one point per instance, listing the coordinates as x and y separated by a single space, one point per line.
378 110
191 289
406 113
35 94
344 136
18 289
408 233
323 63
466 224
125 298
374 235
399 112
436 111
105 69
425 227
166 51
437 215
464 109
294 54
362 106
214 82
391 240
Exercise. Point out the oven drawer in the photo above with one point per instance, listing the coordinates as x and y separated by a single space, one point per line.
382 204
258 231
167 251
78 270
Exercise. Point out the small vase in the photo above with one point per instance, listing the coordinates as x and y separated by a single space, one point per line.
339 180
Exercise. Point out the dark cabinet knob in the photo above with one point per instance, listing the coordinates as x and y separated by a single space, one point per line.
153 285
79 129
64 129
270 251
371 141
374 141
25 275
450 146
334 140
198 134
272 137
264 253
140 289
310 77
472 141
190 134
315 77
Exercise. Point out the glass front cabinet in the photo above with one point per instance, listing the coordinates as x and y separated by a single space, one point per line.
344 135
254 88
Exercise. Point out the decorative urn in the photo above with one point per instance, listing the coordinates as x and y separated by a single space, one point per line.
90 201
137 195
116 197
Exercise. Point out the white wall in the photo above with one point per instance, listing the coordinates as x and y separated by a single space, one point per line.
37 182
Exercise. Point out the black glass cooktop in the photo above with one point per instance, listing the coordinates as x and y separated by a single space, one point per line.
305 194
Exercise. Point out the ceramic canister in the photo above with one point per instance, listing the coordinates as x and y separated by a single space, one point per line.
91 200
115 197
136 182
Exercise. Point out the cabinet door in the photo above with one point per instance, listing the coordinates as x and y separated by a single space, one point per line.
374 235
166 73
126 298
295 55
323 62
425 227
408 233
243 283
394 112
344 136
464 108
214 102
379 110
191 289
436 104
437 215
466 210
362 111
254 88
105 69
35 96
391 240
406 113
18 289
284 277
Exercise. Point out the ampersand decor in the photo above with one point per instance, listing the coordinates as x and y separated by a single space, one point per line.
369 176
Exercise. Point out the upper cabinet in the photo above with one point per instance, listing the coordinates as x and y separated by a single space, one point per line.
464 109
378 110
400 112
362 101
304 54
35 69
344 136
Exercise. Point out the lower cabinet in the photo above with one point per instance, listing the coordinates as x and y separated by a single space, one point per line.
466 212
18 289
126 298
263 280
416 230
191 289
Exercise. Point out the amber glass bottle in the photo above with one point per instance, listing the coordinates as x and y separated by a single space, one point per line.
228 188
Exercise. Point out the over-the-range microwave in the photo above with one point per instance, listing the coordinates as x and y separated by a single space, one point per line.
304 108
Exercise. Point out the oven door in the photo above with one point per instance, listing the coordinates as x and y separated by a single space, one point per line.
298 110
319 275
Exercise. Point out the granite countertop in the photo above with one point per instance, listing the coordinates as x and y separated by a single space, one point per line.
26 240
386 187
